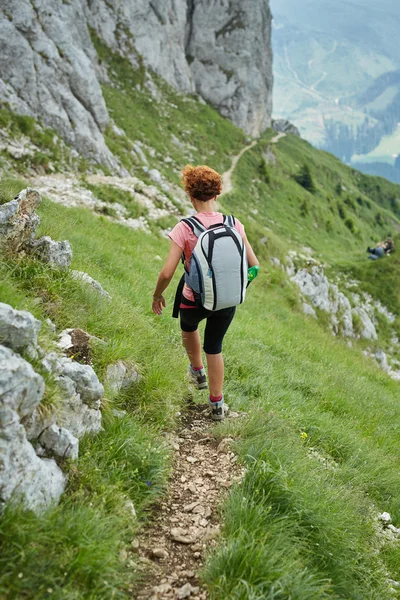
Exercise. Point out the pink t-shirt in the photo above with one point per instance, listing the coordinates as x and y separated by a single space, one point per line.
186 239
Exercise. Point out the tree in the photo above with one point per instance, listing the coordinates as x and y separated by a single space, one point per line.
304 178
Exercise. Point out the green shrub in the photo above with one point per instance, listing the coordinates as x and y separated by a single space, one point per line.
341 211
304 178
350 202
379 219
350 224
338 189
263 171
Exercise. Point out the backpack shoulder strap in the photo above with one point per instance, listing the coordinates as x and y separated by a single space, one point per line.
229 220
195 225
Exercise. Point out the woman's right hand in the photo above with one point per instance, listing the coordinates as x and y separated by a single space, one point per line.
158 305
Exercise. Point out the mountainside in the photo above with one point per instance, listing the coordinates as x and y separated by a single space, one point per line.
49 67
114 483
329 65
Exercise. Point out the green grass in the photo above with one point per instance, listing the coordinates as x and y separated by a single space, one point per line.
74 550
171 125
49 153
294 525
110 193
10 188
294 528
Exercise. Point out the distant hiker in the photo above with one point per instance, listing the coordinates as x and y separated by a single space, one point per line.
381 249
216 255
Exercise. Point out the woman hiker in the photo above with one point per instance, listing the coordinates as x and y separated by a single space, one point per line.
203 185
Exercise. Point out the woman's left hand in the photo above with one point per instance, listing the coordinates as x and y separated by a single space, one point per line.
157 305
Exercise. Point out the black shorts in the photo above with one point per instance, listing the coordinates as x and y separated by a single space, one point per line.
217 324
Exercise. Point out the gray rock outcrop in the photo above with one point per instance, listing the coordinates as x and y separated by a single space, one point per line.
82 276
18 219
121 375
18 329
314 284
81 391
24 476
18 224
56 254
60 441
47 70
49 67
284 126
229 45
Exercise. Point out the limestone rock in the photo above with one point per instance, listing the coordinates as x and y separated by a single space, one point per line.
80 275
18 329
56 254
178 534
81 391
326 296
49 66
121 375
159 553
229 45
308 310
18 220
23 475
60 442
368 330
284 126
186 591
47 70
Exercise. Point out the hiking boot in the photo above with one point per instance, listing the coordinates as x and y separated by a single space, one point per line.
198 378
217 410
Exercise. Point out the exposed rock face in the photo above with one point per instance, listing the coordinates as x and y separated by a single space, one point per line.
121 375
82 276
28 435
18 224
56 254
23 475
60 441
284 126
47 70
326 296
18 220
48 64
229 43
81 391
18 329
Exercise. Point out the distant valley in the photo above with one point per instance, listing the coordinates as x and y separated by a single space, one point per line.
337 77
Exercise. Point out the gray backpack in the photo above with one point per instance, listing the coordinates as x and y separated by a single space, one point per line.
218 265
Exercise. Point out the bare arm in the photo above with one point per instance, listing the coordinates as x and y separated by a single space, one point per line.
165 276
251 257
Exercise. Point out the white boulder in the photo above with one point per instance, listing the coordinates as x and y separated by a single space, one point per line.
18 329
24 477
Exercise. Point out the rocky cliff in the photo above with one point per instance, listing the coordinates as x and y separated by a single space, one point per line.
218 48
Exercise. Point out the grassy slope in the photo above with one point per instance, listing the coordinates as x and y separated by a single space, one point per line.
295 528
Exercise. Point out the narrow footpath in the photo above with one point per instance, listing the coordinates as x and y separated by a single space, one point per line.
187 521
227 176
227 185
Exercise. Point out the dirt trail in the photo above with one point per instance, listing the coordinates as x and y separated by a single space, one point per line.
227 176
171 551
278 137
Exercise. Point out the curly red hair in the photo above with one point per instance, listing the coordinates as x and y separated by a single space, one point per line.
202 182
